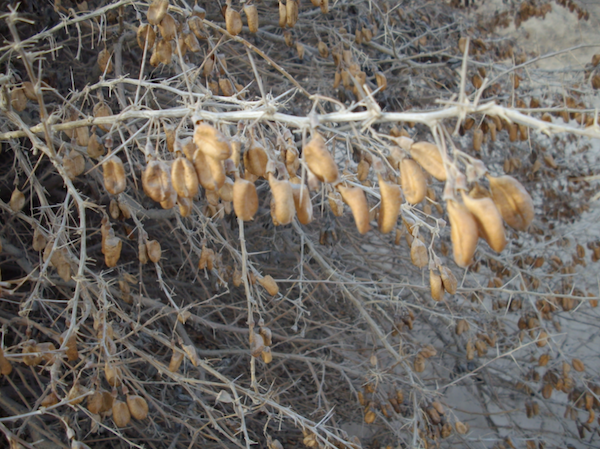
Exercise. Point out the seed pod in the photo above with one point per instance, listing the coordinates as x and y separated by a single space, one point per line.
513 201
175 362
82 136
477 139
448 280
191 42
291 13
418 253
111 248
356 199
226 191
233 21
154 251
156 181
96 403
435 284
336 204
104 61
146 36
477 81
245 199
203 171
464 233
362 170
390 205
212 142
282 15
121 415
413 182
488 219
578 365
74 164
18 99
434 416
303 204
252 17
29 90
513 132
323 50
319 160
419 364
269 285
184 177
369 416
17 200
226 87
217 172
461 428
168 28
324 6
283 197
102 110
267 355
257 344
429 157
256 159
76 394
94 147
138 407
381 81
5 365
157 11
300 49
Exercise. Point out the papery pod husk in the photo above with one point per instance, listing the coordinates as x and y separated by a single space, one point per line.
217 172
489 221
196 27
203 170
413 182
184 177
162 53
176 360
448 280
114 175
267 355
319 160
191 42
5 366
300 50
391 199
461 428
94 147
381 81
303 204
212 142
233 21
189 148
292 161
257 344
18 99
336 203
282 14
156 181
120 414
362 170
17 200
245 199
283 195
74 164
154 251
102 110
82 136
29 90
185 206
138 407
323 50
168 27
291 13
477 139
269 285
171 200
356 199
429 157
112 375
324 6
418 253
464 233
39 240
256 159
157 11
95 403
419 364
146 36
76 394
112 250
251 17
513 201
236 151
104 61
226 190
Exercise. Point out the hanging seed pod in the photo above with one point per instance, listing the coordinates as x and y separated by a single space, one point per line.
212 142
176 360
418 254
256 159
323 50
356 199
29 90
233 21
269 285
319 160
461 428
390 205
362 170
429 157
489 221
477 139
104 61
336 203
82 136
226 87
74 164
5 365
168 28
162 53
76 394
18 99
94 147
39 240
513 131
138 407
291 13
114 175
196 27
226 191
153 250
324 6
102 110
191 42
184 177
252 17
257 344
578 365
157 11
464 233
203 170
369 416
95 403
283 197
121 415
113 375
419 364
303 204
381 81
146 36
513 201
217 172
413 182
111 248
156 181
245 199
17 200
449 280
367 34
185 206
282 15
300 50
267 355
436 286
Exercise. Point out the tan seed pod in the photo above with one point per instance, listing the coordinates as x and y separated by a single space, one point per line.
203 170
547 391
196 27
76 394
94 147
324 6
435 284
39 240
217 172
269 285
162 53
17 200
282 14
146 36
74 164
418 253
226 87
434 416
429 157
336 203
464 232
413 182
184 177
176 360
191 42
112 249
267 355
154 251
168 28
252 17
477 81
104 61
157 11
362 170
283 197
323 50
82 136
381 81
513 131
18 99
256 159
113 209
212 142
156 181
419 364
291 13
138 407
112 374
29 90
337 79
257 344
578 365
477 139
303 204
319 160
448 280
233 21
316 3
95 403
488 219
226 191
121 415
356 199
542 339
300 49
390 205
461 428
102 110
367 34
513 201
245 199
